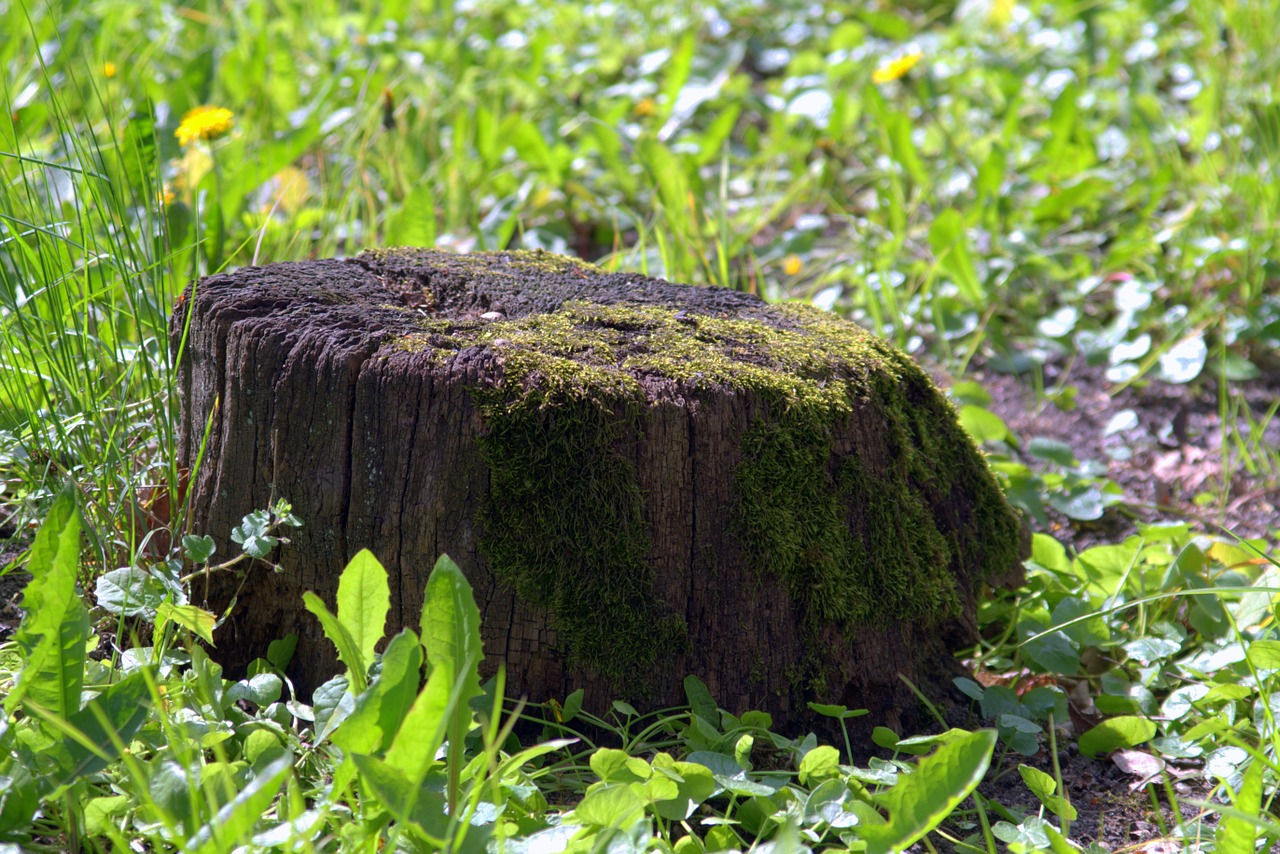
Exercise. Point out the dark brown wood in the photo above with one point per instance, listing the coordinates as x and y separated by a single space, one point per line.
642 480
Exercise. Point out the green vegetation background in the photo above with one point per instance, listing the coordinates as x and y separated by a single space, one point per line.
1013 183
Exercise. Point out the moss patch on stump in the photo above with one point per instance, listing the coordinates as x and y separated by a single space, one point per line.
856 541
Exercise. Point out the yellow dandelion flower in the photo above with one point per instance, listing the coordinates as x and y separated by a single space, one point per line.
645 108
165 197
895 68
1001 12
792 265
204 123
109 70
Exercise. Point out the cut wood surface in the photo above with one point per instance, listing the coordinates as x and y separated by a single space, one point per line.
641 480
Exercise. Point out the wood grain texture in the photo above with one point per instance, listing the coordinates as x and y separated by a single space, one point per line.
381 396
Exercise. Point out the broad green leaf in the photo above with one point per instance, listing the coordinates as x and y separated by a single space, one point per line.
381 708
611 805
20 794
280 652
616 766
451 634
700 700
169 787
390 787
364 598
533 150
413 750
742 750
819 764
1000 700
884 737
572 705
1147 650
731 776
1083 502
695 784
1090 632
1044 701
195 620
101 813
1264 654
832 710
119 711
198 549
451 626
1029 834
331 703
234 824
826 804
1052 450
658 788
1053 653
1041 784
1049 553
348 650
919 802
1113 734
56 684
983 424
54 626
1061 807
133 591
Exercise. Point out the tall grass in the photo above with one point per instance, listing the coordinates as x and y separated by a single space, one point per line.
88 276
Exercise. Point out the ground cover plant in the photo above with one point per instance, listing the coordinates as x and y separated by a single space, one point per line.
1065 210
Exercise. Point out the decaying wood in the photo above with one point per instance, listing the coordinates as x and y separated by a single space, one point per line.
769 520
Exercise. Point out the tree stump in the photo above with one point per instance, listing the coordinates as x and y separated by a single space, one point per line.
641 480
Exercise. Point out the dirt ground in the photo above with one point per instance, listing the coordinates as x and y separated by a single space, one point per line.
1174 452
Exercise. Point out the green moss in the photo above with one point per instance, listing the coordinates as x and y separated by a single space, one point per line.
481 264
564 520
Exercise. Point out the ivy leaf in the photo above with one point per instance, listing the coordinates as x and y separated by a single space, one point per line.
198 549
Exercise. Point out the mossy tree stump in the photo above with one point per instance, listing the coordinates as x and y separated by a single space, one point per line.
641 480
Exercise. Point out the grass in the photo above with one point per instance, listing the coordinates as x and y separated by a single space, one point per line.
1050 182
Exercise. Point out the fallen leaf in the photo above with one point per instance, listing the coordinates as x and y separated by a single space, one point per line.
1139 763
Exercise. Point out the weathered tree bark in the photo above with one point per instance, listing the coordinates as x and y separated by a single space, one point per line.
641 480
